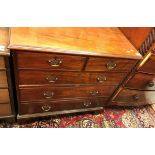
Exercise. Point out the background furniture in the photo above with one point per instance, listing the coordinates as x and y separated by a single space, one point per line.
139 88
6 96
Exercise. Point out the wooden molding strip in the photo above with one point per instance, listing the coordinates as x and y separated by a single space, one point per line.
147 43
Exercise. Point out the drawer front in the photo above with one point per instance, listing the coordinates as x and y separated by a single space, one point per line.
34 77
149 65
49 61
128 97
49 93
110 64
3 79
5 109
2 63
61 105
142 82
4 96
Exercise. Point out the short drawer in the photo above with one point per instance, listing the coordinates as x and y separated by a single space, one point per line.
142 82
110 64
3 79
49 61
2 63
5 109
4 96
127 97
61 105
35 77
149 65
49 93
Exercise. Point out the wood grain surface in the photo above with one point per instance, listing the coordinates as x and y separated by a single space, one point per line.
78 40
136 35
2 63
61 105
4 40
45 77
39 93
142 81
127 97
3 79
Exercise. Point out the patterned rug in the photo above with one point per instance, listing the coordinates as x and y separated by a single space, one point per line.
141 117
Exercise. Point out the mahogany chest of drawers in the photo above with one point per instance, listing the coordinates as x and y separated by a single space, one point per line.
66 70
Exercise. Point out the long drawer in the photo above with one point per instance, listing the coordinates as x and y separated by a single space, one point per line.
3 79
142 82
49 93
2 63
5 109
4 96
61 105
110 64
35 77
127 97
49 61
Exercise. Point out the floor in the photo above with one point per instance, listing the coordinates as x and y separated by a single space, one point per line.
140 117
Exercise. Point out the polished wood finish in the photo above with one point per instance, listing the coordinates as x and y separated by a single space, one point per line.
142 81
138 88
72 40
136 35
61 105
2 63
3 79
127 97
4 41
5 110
41 61
4 96
58 69
35 116
149 65
45 77
101 64
49 93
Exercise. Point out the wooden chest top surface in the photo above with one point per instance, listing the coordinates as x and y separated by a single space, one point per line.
4 41
78 40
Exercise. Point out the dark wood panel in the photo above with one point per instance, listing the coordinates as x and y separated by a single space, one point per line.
49 93
5 109
61 105
149 65
136 35
40 77
127 97
49 61
110 64
142 82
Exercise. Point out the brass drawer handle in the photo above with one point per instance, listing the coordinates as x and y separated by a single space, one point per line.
94 92
87 104
48 94
55 62
51 78
135 97
101 79
151 84
46 108
111 65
